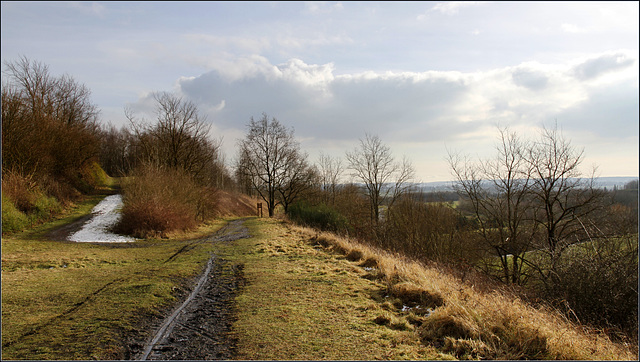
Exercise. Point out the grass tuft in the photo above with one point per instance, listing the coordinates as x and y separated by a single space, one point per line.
12 219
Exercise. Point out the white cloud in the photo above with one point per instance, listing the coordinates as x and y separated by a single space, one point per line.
602 64
423 106
93 8
453 7
322 7
571 28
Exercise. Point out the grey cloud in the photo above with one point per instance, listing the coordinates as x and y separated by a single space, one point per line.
339 108
593 68
610 112
530 79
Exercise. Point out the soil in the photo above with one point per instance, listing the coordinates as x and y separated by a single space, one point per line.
62 233
199 326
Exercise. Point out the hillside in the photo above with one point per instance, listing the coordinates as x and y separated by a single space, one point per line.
317 296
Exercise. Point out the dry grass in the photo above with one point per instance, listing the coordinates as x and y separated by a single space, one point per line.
83 301
301 302
234 204
160 201
471 323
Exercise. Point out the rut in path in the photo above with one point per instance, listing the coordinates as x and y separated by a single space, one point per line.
198 329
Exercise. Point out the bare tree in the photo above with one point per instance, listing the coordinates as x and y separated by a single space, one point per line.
116 150
564 199
49 123
270 160
179 139
383 178
297 179
498 190
330 170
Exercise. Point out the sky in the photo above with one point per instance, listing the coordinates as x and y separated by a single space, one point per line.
427 78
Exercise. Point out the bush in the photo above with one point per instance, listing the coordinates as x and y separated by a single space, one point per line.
159 200
320 216
90 177
601 287
24 202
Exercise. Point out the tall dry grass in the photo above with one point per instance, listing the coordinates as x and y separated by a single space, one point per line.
158 200
26 201
472 322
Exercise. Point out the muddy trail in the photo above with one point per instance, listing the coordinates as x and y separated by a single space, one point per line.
198 327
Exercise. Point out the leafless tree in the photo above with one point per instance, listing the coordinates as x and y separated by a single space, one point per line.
384 179
49 123
297 179
564 199
178 139
116 154
330 170
499 192
271 161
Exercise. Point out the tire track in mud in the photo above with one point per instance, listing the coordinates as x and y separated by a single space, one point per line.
199 328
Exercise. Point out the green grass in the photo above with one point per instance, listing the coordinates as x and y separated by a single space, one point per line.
64 300
301 302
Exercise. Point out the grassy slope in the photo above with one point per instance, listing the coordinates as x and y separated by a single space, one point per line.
302 302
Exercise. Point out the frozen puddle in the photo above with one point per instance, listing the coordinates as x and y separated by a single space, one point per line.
105 214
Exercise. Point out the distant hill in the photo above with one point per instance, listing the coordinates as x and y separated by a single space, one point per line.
601 182
611 182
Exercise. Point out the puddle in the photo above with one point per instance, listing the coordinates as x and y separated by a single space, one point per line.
418 310
105 214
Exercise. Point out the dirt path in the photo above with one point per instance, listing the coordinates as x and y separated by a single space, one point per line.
198 329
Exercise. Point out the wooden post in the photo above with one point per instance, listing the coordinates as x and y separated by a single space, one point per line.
260 209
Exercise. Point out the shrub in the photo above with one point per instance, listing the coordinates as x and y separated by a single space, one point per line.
20 189
160 200
24 202
320 216
601 286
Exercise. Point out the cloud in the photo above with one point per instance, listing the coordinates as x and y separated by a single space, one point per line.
574 29
609 113
531 79
421 109
93 8
453 7
595 67
322 105
322 7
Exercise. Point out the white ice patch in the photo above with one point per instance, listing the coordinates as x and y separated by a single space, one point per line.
106 214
